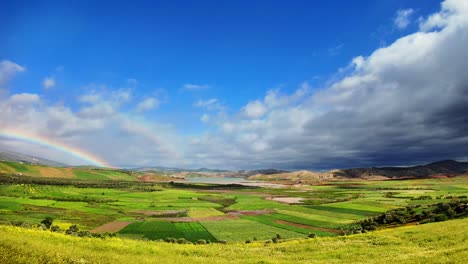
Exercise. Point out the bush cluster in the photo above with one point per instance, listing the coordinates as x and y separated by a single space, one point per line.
432 213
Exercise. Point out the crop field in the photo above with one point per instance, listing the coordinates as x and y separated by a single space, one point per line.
243 230
154 230
198 212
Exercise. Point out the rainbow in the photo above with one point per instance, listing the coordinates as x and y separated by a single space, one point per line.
53 144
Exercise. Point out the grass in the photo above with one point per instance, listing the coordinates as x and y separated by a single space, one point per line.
443 242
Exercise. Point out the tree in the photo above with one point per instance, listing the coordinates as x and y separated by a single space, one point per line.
47 221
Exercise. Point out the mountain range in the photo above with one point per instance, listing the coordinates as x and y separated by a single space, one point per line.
439 168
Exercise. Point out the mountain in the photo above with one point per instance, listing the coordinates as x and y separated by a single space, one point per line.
206 172
445 167
160 169
439 168
6 155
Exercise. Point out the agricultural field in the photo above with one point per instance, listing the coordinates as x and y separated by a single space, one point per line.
213 213
443 242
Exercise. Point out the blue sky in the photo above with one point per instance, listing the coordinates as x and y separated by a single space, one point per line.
179 55
240 49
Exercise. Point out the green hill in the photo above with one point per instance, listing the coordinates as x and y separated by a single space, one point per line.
79 173
443 242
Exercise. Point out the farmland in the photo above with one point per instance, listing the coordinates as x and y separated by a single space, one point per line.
213 213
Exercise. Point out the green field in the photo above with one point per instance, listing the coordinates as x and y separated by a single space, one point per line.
444 242
192 231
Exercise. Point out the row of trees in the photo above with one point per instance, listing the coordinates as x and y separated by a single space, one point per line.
415 213
73 230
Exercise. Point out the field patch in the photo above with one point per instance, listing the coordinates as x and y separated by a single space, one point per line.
111 227
336 231
194 231
243 229
52 172
287 200
203 212
330 209
154 230
271 221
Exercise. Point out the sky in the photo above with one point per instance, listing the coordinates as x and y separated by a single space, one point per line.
236 84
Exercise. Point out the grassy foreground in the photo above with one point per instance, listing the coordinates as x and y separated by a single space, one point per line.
443 242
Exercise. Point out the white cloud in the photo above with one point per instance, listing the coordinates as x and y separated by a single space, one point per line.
210 104
195 87
402 19
24 98
100 93
147 104
205 118
98 126
48 83
255 109
7 70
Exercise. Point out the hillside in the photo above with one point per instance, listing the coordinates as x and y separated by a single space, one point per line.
78 173
440 168
20 157
295 176
206 172
446 167
441 242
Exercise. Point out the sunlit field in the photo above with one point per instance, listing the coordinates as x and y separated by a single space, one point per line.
444 242
214 213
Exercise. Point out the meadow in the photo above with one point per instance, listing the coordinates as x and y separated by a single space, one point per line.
443 242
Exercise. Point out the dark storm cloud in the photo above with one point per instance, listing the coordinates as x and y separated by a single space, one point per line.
406 103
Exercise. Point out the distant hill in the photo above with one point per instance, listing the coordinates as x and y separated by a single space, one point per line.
206 172
445 167
77 173
6 155
439 168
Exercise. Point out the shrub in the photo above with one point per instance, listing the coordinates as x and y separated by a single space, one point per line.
55 228
182 241
311 235
72 230
440 217
201 241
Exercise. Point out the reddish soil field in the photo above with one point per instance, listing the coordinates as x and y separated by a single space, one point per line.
111 227
308 227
